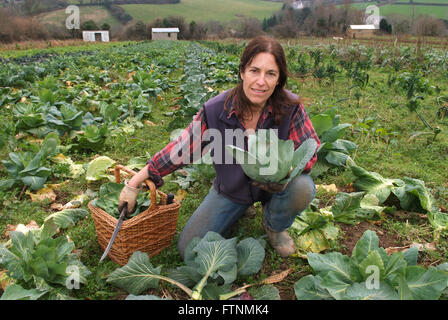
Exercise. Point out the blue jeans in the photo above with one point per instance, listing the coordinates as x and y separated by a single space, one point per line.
217 213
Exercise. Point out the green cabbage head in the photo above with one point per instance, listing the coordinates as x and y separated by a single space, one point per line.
272 160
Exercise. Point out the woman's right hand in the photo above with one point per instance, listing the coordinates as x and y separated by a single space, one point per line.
131 189
128 196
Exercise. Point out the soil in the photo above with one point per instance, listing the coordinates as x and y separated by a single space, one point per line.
353 233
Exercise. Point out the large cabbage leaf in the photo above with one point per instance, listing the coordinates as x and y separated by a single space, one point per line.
351 208
17 292
374 183
250 256
333 150
272 160
137 275
411 193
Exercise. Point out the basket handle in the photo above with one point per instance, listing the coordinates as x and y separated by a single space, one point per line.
149 183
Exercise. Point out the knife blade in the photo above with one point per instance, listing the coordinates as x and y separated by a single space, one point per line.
123 214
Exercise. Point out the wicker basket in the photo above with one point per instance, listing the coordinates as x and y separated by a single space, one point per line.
150 231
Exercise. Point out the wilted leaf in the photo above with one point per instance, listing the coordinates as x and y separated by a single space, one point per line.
372 182
21 228
4 280
57 206
327 188
67 217
149 123
97 168
42 194
278 277
76 202
180 195
76 170
420 246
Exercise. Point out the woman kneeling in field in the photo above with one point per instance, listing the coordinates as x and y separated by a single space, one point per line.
259 101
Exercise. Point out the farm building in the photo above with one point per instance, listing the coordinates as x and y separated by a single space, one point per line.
164 33
361 30
102 36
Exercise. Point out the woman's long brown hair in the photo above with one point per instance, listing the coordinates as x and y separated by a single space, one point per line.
279 98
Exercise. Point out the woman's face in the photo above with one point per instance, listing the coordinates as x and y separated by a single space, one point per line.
260 78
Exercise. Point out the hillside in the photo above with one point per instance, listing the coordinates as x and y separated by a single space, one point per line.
205 10
198 10
97 13
440 12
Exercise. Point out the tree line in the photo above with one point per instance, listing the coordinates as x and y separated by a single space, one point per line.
318 20
329 20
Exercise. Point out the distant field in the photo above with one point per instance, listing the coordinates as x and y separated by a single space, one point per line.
96 13
425 1
198 10
438 12
204 10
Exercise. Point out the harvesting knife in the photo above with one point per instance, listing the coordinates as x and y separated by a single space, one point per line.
123 214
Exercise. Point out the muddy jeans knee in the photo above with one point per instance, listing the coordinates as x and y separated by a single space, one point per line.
281 210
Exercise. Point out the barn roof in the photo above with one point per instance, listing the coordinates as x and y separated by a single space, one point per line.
363 27
165 29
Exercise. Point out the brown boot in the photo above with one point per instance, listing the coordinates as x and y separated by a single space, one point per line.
280 241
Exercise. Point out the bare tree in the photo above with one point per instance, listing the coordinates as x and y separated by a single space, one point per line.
30 6
428 26
248 27
400 24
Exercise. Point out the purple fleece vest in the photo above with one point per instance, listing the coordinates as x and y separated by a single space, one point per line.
231 181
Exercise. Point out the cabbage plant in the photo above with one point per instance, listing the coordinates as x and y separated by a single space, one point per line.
28 168
212 264
42 265
272 160
371 274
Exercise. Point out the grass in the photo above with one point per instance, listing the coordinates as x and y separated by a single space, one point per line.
204 10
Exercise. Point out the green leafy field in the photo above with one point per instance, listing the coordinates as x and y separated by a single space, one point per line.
381 112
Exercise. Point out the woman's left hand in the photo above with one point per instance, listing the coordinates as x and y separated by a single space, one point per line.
270 187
